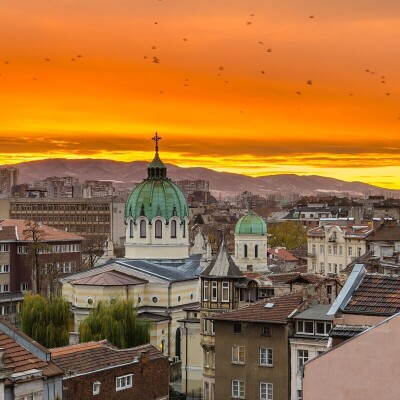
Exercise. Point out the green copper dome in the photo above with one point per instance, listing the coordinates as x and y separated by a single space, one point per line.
251 224
157 195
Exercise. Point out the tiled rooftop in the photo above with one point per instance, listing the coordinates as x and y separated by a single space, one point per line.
282 254
282 307
295 277
377 294
385 233
347 331
92 356
49 233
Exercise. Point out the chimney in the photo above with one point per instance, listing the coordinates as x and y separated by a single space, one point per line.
309 293
144 357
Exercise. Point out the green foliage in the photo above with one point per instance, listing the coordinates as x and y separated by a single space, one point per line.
117 322
289 234
46 321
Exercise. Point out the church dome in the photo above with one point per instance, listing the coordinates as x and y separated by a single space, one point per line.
251 224
156 195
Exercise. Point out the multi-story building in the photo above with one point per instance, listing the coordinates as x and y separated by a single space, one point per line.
8 178
189 186
26 246
310 339
96 219
332 247
26 368
100 370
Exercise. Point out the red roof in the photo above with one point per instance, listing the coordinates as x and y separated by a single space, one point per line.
282 254
273 310
49 233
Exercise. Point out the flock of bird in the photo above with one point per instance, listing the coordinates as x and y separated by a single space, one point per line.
220 70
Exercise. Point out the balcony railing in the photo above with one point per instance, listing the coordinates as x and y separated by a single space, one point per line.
311 255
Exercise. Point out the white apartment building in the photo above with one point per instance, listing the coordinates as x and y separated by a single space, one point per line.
332 247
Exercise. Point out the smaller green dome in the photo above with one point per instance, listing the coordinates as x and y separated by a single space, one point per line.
251 224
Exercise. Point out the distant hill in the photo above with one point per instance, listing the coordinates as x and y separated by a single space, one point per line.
128 173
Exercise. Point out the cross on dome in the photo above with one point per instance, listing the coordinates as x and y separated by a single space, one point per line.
156 138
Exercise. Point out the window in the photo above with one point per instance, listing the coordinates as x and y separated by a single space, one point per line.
330 250
299 395
335 250
237 389
358 251
245 250
206 391
142 227
237 328
266 330
350 251
340 250
207 358
5 248
184 228
313 249
131 229
158 228
22 249
212 391
24 286
173 229
266 391
323 328
154 299
321 249
4 268
256 251
302 358
3 288
205 325
212 327
237 354
322 266
124 382
205 290
96 387
225 291
214 291
266 357
306 327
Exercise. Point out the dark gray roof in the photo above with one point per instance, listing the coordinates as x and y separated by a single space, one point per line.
316 312
222 265
167 270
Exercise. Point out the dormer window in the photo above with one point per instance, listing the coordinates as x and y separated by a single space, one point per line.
305 327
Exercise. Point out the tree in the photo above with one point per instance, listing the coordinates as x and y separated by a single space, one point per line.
118 322
34 234
288 234
92 250
46 321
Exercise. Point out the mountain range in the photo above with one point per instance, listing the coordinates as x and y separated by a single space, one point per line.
129 173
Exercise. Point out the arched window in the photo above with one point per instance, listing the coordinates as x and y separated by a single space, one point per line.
142 228
173 229
131 228
162 346
184 228
256 251
158 227
178 343
245 250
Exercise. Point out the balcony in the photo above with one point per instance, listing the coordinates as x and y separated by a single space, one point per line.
312 255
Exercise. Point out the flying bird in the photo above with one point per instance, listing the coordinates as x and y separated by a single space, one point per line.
269 50
47 59
185 39
156 60
248 23
260 42
298 92
311 16
309 82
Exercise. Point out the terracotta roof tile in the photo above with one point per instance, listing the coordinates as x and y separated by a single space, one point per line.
282 254
385 233
294 277
377 294
49 233
87 357
282 307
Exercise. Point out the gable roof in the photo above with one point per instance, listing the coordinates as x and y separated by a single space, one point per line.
282 254
385 232
222 265
282 307
92 356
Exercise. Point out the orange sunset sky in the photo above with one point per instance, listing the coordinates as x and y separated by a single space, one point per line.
257 87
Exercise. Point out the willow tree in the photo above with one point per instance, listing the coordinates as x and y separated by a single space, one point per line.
118 322
45 321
